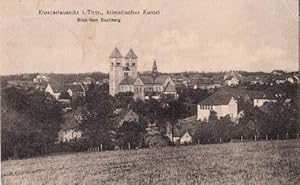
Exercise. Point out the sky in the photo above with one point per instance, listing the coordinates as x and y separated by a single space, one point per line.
208 35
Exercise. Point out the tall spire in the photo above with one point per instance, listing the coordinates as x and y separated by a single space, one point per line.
116 54
131 54
154 69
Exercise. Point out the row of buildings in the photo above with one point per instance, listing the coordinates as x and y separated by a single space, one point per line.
124 77
233 78
225 102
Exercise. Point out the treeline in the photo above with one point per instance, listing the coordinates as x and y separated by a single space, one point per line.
60 78
30 121
101 125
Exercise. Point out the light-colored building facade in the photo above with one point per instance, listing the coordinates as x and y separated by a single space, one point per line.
268 95
232 81
54 90
123 77
221 106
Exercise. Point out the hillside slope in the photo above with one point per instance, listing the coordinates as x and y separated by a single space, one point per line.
273 162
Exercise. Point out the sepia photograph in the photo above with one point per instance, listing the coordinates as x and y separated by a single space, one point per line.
154 92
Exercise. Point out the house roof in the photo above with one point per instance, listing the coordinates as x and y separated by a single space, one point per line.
116 54
202 81
128 81
224 95
237 93
170 88
216 100
149 79
270 93
178 132
230 77
74 87
131 55
56 87
122 113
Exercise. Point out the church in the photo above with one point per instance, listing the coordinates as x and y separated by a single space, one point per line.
124 77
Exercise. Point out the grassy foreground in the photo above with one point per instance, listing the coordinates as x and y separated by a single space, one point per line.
272 162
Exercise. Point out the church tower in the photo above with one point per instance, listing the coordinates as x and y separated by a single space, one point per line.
116 74
131 63
154 69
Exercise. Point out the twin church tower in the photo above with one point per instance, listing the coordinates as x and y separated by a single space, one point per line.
124 77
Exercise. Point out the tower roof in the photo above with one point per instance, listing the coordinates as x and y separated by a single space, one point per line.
131 55
116 54
154 69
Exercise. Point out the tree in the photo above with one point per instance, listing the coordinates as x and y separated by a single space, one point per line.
97 113
213 116
30 122
124 99
131 132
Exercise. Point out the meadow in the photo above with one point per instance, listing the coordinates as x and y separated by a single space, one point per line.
271 162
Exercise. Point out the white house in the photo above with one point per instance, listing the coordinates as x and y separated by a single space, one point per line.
75 90
179 136
221 105
231 81
186 138
54 89
268 95
258 102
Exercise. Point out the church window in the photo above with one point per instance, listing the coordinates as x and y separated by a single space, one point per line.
118 63
133 64
126 74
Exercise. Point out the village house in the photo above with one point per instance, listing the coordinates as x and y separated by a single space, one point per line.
69 128
180 134
75 90
54 89
221 105
253 80
40 78
268 95
280 79
231 81
123 77
125 115
232 78
182 137
205 84
225 102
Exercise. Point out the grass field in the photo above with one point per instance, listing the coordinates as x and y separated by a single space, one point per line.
272 162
